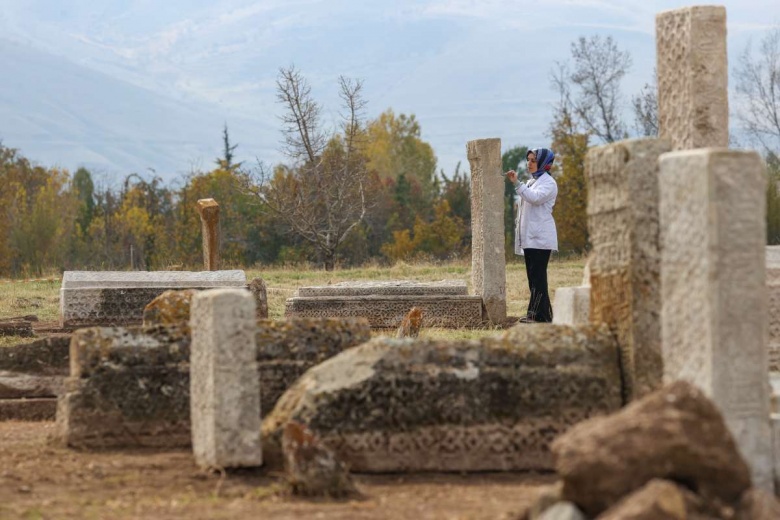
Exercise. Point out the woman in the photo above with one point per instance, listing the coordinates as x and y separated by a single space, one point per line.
535 233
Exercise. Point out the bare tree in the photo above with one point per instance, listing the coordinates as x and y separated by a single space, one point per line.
645 105
758 87
599 66
321 197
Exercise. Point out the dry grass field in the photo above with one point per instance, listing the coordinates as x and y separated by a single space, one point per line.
42 297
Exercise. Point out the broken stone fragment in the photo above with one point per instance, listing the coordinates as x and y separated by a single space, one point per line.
675 433
312 468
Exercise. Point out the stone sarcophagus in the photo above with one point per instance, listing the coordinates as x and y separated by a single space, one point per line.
385 304
493 404
107 298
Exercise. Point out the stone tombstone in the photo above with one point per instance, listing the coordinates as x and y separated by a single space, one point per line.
692 65
385 304
624 264
713 284
209 219
488 264
106 298
224 387
493 404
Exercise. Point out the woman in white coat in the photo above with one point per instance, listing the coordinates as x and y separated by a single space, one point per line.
535 234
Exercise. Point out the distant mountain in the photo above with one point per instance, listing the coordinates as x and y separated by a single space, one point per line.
59 113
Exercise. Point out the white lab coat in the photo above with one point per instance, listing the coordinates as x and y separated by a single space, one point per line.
535 227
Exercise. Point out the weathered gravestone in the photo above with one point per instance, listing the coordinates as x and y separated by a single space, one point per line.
224 387
693 104
713 282
131 386
118 297
479 405
127 387
32 375
625 261
488 264
385 304
209 219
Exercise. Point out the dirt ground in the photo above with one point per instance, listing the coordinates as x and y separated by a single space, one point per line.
39 480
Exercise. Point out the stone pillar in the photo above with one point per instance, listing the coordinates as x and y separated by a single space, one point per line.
488 264
224 386
625 270
713 284
209 219
773 288
692 67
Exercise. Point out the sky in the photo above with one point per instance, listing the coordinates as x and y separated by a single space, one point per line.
146 87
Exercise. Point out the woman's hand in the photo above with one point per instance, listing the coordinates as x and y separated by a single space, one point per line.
511 176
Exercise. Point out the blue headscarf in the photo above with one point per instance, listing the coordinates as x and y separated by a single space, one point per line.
544 161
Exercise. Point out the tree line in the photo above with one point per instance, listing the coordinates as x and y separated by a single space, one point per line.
366 191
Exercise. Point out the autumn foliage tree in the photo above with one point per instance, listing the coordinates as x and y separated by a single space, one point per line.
322 196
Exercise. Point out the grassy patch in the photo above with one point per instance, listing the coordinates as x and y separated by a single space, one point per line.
42 298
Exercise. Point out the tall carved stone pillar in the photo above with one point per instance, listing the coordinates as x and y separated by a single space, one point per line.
488 265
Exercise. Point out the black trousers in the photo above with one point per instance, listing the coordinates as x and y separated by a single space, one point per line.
539 307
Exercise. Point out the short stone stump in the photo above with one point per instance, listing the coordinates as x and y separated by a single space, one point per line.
111 298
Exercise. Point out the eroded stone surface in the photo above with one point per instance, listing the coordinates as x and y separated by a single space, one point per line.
288 348
773 288
488 264
171 308
258 290
625 269
571 306
675 433
446 311
424 405
34 370
692 64
127 387
89 298
224 387
713 283
387 288
34 409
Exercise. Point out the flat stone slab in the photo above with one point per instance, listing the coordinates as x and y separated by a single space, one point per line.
43 409
169 279
385 311
387 288
117 298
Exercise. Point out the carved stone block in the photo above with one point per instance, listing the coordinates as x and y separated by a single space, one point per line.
713 282
692 65
488 265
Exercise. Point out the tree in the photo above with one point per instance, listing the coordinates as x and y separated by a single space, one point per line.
226 161
645 105
758 88
321 197
598 67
